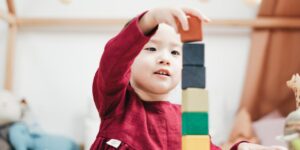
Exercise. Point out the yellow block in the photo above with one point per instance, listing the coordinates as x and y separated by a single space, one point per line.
196 142
194 100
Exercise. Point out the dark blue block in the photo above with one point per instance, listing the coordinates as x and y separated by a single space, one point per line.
193 76
193 54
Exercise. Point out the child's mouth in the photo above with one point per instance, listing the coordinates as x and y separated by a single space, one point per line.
162 72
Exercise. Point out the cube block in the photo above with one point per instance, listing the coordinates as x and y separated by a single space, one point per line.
194 100
195 30
193 76
195 142
195 123
193 54
295 144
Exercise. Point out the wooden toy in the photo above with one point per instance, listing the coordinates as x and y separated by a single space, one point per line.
194 100
193 76
195 128
194 123
195 30
193 54
196 142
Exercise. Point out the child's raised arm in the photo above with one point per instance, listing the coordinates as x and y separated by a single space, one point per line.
113 74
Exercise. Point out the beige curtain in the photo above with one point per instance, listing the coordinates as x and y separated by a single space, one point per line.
273 58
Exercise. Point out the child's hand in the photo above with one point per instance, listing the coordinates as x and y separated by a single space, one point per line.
168 15
249 146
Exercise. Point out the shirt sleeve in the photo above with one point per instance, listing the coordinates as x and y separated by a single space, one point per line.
214 147
112 77
235 146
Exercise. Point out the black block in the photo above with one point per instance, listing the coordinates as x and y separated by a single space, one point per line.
193 54
193 76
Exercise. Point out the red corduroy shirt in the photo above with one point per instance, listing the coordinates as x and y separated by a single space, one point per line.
138 124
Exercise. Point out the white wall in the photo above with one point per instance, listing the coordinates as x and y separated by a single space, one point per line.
3 32
54 67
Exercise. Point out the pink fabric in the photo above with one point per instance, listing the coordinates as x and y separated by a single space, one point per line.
214 147
140 125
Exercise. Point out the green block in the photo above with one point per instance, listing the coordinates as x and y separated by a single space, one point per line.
195 123
296 144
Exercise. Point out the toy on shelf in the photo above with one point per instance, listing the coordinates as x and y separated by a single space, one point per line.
294 84
20 131
292 123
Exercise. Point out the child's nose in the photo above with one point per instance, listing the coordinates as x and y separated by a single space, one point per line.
164 60
164 57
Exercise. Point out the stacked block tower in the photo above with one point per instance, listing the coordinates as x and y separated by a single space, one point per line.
194 96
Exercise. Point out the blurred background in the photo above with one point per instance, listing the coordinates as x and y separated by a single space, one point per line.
53 62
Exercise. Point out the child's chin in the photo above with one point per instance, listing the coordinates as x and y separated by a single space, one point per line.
163 89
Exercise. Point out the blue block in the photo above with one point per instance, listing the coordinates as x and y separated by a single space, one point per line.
193 54
193 76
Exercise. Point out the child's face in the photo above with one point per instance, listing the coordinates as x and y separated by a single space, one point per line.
157 69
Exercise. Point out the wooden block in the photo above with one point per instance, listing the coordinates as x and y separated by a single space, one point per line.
194 100
193 77
193 54
195 123
195 142
195 30
295 144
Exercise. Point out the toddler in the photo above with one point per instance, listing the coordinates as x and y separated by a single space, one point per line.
139 68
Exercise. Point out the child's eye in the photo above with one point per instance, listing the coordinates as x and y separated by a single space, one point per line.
175 52
150 49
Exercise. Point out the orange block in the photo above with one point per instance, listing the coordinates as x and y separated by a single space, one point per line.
195 30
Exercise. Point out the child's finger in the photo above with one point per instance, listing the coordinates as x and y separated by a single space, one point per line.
182 18
173 24
196 13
